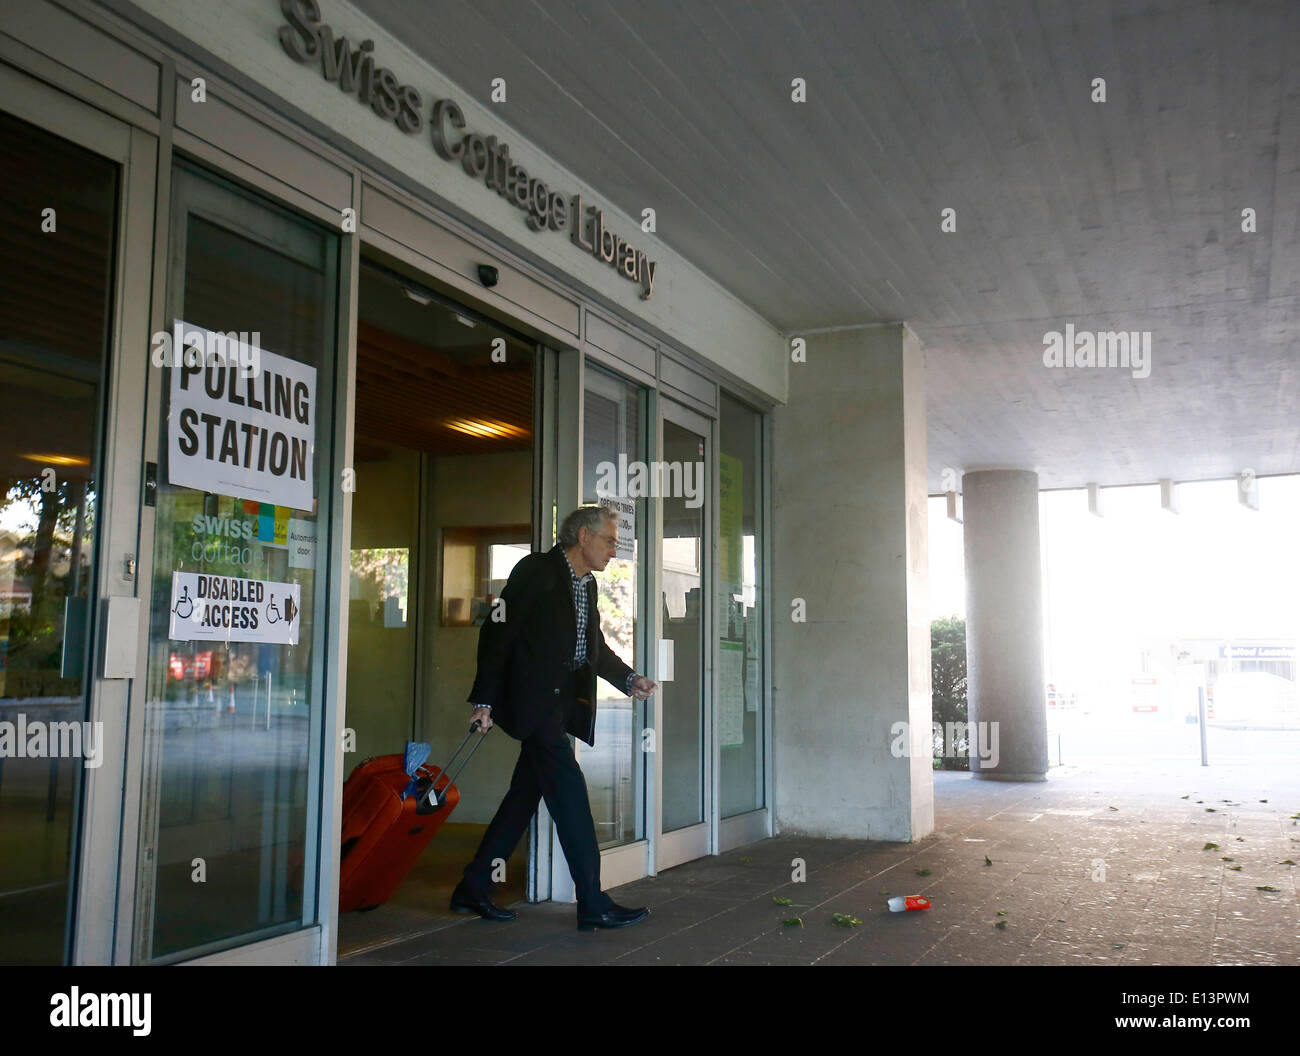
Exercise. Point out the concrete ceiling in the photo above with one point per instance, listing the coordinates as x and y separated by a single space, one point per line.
1122 215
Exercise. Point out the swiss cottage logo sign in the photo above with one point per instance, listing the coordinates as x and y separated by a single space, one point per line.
305 39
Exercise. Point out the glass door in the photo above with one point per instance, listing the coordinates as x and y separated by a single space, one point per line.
684 617
58 232
614 439
244 408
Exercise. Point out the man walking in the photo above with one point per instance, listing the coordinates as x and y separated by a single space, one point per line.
537 665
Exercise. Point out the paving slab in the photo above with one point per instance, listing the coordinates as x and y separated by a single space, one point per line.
1078 883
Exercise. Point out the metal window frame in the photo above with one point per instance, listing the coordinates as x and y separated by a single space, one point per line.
97 825
698 839
320 839
757 824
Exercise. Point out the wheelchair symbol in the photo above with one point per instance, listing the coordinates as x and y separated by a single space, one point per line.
185 602
272 612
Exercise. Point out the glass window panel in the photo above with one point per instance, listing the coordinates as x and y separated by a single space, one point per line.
614 429
682 738
740 678
55 294
234 702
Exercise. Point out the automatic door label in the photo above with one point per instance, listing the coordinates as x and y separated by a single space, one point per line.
230 609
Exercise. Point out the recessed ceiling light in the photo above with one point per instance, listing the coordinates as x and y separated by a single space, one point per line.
418 298
58 460
464 320
487 429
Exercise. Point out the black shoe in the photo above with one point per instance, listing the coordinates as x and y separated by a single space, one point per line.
615 916
462 901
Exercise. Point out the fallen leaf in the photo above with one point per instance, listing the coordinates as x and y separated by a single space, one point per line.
1000 924
1002 912
1117 945
792 921
1235 868
923 872
988 860
1265 887
1210 847
782 901
1210 810
1227 859
1286 861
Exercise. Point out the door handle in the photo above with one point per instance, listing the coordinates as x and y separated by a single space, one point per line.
664 669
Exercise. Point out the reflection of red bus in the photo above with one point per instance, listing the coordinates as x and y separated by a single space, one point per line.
198 666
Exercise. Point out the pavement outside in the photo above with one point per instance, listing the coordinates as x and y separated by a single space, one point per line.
1104 863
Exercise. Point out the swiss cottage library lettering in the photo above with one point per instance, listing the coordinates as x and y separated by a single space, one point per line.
306 39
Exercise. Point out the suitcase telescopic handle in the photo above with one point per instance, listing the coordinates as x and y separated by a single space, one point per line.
435 794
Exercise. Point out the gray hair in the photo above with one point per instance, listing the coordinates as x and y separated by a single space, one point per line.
589 517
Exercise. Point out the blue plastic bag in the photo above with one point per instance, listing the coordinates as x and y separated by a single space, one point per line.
416 753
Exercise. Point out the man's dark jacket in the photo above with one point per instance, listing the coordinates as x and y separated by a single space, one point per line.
522 672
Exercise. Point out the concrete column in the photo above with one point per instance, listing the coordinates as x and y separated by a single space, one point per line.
1004 625
850 625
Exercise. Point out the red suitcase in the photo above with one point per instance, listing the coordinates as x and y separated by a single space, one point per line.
384 834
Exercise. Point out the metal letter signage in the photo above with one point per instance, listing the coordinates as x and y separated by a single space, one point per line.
305 39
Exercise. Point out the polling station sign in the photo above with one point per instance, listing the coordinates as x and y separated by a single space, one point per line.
212 608
242 423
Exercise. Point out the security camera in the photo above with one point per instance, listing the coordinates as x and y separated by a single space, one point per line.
487 274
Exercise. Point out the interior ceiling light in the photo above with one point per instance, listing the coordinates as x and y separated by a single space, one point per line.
483 428
417 297
58 460
464 320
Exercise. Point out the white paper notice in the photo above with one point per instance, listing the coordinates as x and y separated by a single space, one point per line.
301 540
625 509
230 609
732 685
232 431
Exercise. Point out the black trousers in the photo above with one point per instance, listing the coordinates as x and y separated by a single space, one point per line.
547 769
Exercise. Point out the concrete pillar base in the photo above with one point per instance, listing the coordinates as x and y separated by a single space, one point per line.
989 775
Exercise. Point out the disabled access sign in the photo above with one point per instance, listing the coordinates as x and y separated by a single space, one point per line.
215 608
